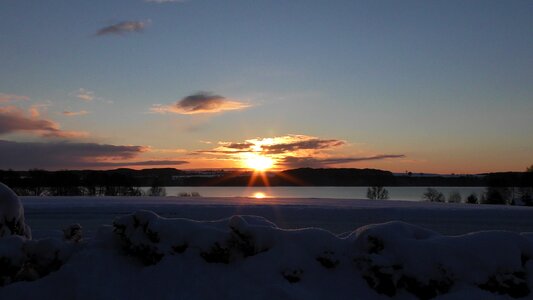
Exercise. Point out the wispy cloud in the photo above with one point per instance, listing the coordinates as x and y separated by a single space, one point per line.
13 119
123 28
312 162
65 155
144 163
34 111
200 103
85 95
278 145
12 97
166 1
74 113
304 144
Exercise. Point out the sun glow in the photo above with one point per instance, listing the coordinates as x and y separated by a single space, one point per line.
258 162
259 195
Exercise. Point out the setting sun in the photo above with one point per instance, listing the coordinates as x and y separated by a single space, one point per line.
258 162
259 195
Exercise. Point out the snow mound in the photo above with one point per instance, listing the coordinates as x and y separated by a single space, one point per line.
12 214
150 237
398 256
392 258
143 255
26 260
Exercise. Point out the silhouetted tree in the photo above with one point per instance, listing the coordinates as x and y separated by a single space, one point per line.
472 199
432 195
525 195
454 197
38 181
497 195
65 183
498 191
377 193
156 189
11 179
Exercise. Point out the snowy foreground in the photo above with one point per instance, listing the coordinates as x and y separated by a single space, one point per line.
141 255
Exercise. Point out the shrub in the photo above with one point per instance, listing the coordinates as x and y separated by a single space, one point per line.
472 199
454 197
377 193
432 195
497 195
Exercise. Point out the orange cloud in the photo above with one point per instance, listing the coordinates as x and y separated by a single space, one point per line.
12 97
75 113
13 119
291 151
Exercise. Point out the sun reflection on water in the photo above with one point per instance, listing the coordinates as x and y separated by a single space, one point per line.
259 195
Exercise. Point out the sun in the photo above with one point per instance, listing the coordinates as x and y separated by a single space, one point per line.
259 195
258 162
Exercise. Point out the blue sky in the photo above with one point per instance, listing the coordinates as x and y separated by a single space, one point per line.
432 86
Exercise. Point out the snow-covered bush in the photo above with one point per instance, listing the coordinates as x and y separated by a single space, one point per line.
12 258
398 256
73 233
44 256
12 214
20 257
248 257
150 237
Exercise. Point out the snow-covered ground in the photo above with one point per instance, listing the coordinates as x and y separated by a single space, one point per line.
343 249
46 215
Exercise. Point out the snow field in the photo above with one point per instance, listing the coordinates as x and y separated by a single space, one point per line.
145 256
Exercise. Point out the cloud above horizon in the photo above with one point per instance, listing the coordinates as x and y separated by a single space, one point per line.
12 97
166 1
124 27
292 151
200 103
311 162
279 145
85 95
69 155
13 119
74 113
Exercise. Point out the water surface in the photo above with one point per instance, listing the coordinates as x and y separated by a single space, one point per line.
395 193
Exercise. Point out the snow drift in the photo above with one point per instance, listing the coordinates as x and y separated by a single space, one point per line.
143 255
11 214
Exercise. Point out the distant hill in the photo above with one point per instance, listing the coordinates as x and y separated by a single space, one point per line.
294 177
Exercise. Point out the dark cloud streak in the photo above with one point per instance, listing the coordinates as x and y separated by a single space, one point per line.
67 155
13 120
314 144
311 162
200 103
279 148
123 27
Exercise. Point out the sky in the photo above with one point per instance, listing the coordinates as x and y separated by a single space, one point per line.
420 86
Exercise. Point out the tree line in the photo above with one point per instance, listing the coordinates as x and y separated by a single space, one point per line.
77 183
512 188
501 188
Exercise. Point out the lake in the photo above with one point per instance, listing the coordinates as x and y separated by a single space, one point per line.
358 192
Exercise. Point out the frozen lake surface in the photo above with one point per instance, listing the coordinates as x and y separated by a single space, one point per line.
410 193
47 215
